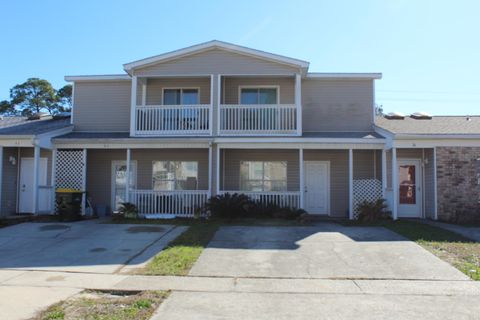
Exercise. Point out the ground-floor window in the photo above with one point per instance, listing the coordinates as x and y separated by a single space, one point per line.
175 175
263 175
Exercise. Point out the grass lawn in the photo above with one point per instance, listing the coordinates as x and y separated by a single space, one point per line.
461 252
105 306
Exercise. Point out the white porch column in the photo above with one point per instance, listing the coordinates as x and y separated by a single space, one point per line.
384 173
210 170
435 205
210 113
127 177
36 169
395 184
1 174
217 177
350 184
133 106
217 103
84 181
302 178
53 178
298 102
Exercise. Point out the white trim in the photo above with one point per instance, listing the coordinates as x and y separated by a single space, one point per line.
181 94
53 177
328 191
210 170
435 190
436 143
36 172
267 86
417 162
302 178
298 102
73 103
133 107
217 105
350 184
84 180
144 92
100 77
217 177
127 178
395 184
384 173
210 115
215 44
322 75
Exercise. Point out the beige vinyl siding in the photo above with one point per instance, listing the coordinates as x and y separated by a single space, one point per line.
231 87
337 105
155 88
338 177
44 153
9 182
99 168
364 164
216 61
102 106
231 170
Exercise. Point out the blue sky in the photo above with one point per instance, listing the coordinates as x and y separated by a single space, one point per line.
428 51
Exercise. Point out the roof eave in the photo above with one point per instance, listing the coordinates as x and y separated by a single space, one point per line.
100 77
338 75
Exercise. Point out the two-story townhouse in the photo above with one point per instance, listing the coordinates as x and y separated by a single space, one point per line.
213 118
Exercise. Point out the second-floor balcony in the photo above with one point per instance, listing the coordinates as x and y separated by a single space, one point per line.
155 120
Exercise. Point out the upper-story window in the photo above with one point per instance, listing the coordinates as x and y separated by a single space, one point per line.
180 96
259 95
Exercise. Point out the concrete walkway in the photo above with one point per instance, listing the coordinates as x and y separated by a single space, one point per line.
468 232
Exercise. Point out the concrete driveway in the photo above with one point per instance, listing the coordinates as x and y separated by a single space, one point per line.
87 246
324 251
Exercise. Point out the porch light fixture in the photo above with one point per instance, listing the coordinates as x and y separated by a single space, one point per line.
12 160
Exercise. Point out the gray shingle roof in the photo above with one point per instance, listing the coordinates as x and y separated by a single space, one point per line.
23 126
346 135
437 125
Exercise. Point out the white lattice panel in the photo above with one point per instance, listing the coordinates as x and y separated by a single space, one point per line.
365 189
69 169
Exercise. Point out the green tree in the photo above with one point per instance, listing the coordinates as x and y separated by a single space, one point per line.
33 96
6 108
64 96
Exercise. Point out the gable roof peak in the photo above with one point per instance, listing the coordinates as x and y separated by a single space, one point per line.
216 44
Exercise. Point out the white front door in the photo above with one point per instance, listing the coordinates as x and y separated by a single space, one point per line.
25 204
317 187
410 188
119 170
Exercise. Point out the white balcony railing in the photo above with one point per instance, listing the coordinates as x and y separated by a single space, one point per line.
185 203
173 120
281 198
268 119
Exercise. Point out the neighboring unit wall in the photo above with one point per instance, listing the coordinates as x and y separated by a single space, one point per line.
9 182
99 168
457 182
231 88
337 105
102 106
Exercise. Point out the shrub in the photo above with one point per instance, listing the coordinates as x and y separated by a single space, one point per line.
128 210
369 211
228 206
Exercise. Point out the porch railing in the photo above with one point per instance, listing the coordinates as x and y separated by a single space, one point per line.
268 119
154 120
284 199
185 203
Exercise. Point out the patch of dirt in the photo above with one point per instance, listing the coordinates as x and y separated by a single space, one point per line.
51 227
145 229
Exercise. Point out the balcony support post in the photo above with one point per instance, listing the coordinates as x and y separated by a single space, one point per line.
298 102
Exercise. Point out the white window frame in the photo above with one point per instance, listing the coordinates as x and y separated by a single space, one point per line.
175 180
181 94
277 87
263 175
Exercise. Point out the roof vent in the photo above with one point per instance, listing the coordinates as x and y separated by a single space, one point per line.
421 116
395 116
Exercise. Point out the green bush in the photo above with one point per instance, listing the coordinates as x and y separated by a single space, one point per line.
234 206
369 211
128 210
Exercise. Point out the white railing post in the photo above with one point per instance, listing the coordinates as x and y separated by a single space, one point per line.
36 169
210 170
298 102
210 113
133 107
395 185
384 173
350 184
127 177
302 179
